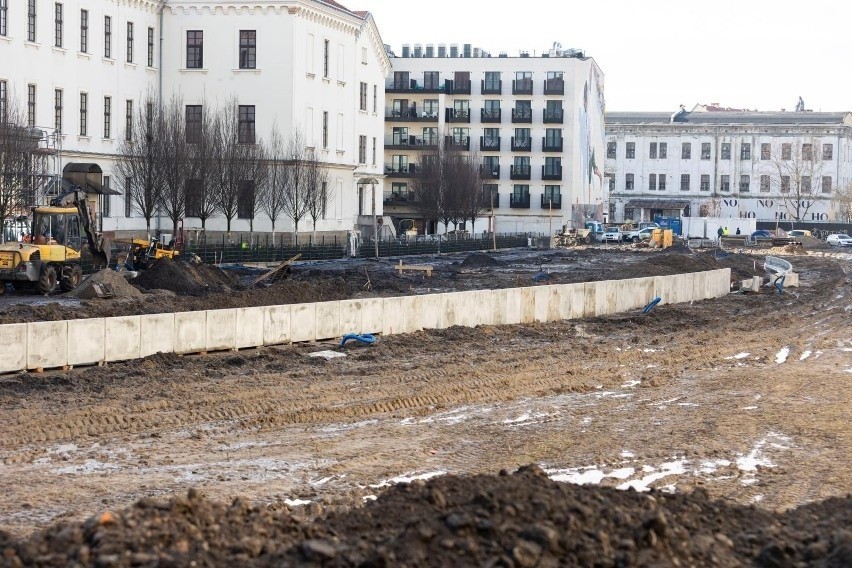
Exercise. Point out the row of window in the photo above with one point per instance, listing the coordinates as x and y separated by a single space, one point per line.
247 49
490 164
551 192
84 109
783 183
491 109
659 150
492 82
521 139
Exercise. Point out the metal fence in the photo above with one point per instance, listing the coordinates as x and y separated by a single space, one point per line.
263 250
436 244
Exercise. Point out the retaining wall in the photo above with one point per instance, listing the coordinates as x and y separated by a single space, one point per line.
43 345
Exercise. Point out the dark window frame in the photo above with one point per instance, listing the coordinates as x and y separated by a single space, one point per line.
31 21
4 15
246 127
630 150
686 151
31 105
192 125
705 150
150 47
108 37
828 151
107 117
84 31
128 120
57 109
58 24
745 151
685 182
725 153
611 150
84 114
129 53
629 182
195 49
248 49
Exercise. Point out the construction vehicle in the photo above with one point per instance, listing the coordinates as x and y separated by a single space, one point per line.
570 237
53 251
143 253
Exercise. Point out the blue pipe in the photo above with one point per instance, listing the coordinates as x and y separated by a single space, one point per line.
651 305
365 338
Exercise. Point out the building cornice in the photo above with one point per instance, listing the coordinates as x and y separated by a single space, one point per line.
680 129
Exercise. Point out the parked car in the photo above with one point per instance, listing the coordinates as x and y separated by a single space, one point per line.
638 235
799 233
761 234
839 240
612 235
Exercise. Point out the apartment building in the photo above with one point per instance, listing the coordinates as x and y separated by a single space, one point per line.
535 124
727 163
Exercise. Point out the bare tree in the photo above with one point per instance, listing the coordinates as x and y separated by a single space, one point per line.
793 174
428 188
140 159
296 202
272 193
316 184
842 201
175 162
473 199
16 164
202 181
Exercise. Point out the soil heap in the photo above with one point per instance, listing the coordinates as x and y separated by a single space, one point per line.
523 519
478 260
105 283
184 278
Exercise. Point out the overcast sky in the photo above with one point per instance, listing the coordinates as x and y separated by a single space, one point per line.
657 54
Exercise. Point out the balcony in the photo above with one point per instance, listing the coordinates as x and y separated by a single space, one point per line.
551 145
521 201
554 86
553 115
491 199
489 144
520 172
413 86
457 115
549 173
551 202
489 172
411 114
457 87
391 198
493 116
522 115
411 143
400 170
457 143
492 88
522 87
521 144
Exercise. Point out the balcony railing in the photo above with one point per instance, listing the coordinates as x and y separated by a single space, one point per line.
457 87
489 172
411 142
457 143
553 115
492 88
554 86
521 115
413 86
392 198
491 115
400 170
551 172
521 144
521 201
489 144
551 202
411 114
457 115
522 87
491 199
551 145
519 172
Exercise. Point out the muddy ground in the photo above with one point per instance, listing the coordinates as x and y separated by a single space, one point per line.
710 433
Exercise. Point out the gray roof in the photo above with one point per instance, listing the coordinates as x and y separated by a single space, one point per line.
741 117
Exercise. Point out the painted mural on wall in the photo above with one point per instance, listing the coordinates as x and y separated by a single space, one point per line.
592 135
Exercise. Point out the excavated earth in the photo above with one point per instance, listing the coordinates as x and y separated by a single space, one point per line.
714 433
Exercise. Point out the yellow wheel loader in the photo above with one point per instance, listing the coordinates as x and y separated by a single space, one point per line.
144 253
53 252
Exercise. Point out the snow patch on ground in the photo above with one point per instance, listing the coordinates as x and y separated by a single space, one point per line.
782 355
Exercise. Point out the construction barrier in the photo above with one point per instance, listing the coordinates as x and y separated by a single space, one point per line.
64 344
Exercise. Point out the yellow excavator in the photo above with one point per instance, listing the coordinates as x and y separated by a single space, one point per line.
53 252
143 253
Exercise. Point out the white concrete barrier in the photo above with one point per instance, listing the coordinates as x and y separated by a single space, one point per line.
412 307
394 315
351 312
13 338
86 341
303 322
276 325
372 315
548 304
327 320
123 340
220 330
484 307
431 311
190 332
47 344
156 334
249 327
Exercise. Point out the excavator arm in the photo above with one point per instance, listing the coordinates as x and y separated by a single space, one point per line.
99 247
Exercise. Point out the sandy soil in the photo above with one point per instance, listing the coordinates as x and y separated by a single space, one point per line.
744 398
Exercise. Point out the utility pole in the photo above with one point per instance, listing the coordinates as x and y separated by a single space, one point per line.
493 225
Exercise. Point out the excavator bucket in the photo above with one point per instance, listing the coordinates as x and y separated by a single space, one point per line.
101 254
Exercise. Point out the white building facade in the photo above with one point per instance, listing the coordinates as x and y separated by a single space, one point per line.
80 68
535 123
765 166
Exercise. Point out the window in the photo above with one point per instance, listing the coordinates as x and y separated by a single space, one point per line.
552 194
745 151
611 182
663 150
57 21
363 97
84 114
375 98
107 37
726 151
631 150
399 189
128 121
553 166
430 136
325 56
362 149
826 184
661 182
686 151
684 182
764 184
786 151
194 49
375 145
3 15
765 151
31 20
128 198
628 181
610 149
84 31
3 100
461 108
192 195
150 47
245 125
105 207
431 79
808 152
785 184
245 199
248 49
652 151
57 110
652 182
399 163
725 183
705 150
193 124
130 42
705 183
806 184
107 116
31 105
828 151
492 82
491 165
325 129
400 135
745 182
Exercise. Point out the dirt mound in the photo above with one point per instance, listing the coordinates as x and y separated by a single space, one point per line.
478 260
524 519
116 286
185 278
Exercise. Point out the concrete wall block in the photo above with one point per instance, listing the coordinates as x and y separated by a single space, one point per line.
86 341
303 322
276 325
394 315
249 327
663 289
413 310
547 304
499 306
350 316
431 311
484 307
372 315
513 306
190 332
221 330
574 300
451 304
13 338
124 338
156 334
590 299
47 344
687 288
328 320
465 311
527 297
